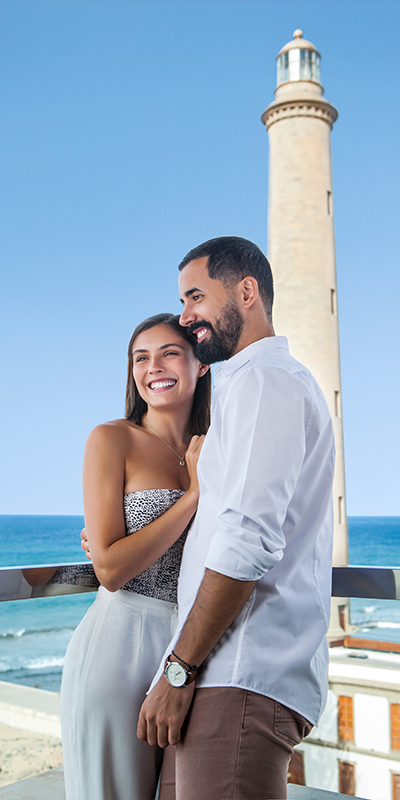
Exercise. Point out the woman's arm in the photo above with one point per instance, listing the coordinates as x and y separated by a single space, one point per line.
118 558
37 576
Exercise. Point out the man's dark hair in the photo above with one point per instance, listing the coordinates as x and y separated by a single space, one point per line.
230 259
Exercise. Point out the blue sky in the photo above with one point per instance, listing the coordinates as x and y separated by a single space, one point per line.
131 132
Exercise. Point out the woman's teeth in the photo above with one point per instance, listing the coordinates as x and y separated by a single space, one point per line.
161 384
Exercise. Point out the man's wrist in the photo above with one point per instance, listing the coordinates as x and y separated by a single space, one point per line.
189 667
177 674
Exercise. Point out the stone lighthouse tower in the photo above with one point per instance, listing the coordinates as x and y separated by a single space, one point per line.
301 237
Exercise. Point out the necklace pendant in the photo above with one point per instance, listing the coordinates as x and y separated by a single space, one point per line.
182 462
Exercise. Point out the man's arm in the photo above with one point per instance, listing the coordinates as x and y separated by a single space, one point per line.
219 600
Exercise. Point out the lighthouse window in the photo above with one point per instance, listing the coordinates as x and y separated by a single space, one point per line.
305 66
333 302
340 510
310 66
328 198
299 65
337 404
283 68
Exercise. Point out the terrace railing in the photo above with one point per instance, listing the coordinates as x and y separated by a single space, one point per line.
20 583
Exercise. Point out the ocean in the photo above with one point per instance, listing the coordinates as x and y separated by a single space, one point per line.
34 634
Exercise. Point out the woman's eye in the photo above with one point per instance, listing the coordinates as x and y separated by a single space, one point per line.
171 353
139 359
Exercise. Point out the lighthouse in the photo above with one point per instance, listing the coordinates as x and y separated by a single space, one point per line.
301 236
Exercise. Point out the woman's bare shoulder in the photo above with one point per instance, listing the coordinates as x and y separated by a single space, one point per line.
116 432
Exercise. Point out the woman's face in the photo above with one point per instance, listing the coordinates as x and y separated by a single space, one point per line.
165 368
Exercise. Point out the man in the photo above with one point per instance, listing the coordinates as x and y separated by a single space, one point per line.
249 661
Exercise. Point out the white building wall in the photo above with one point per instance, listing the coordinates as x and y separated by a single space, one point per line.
320 766
371 723
341 672
328 726
373 777
373 774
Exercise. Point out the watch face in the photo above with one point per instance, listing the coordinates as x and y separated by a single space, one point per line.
175 674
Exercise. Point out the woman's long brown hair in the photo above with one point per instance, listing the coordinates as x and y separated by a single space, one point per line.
136 407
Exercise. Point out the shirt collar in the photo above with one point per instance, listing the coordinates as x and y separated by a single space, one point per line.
241 358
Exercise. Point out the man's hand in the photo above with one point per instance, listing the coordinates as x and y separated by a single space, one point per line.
85 544
219 600
163 713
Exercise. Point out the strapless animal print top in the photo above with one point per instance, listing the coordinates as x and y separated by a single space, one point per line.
161 579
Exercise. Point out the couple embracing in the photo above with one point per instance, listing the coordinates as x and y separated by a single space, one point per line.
236 653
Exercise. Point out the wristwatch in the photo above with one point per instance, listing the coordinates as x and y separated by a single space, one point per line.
177 674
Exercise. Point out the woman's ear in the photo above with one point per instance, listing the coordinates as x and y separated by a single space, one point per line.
203 368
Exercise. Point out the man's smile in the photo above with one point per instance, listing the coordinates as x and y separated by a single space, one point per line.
200 333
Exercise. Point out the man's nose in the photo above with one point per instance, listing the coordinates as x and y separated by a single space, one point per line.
187 317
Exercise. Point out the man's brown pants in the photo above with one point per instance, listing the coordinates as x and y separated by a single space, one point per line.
235 745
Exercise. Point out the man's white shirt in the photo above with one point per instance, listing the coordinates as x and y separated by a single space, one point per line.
265 514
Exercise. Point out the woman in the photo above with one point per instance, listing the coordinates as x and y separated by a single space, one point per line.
139 477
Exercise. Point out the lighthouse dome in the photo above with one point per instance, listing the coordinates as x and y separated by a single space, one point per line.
299 60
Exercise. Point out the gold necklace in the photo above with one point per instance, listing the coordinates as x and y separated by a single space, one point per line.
181 458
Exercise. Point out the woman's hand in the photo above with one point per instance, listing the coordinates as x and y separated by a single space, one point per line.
85 544
191 458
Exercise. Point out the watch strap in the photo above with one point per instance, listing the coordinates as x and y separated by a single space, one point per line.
190 668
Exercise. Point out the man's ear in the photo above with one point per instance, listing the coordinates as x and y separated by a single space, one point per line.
249 291
203 368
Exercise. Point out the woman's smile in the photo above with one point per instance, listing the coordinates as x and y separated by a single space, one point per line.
162 385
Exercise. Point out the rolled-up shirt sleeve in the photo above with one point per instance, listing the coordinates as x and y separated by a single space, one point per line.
264 421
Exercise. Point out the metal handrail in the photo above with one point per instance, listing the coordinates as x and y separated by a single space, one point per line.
17 583
382 583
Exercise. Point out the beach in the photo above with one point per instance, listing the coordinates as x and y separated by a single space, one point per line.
23 753
30 734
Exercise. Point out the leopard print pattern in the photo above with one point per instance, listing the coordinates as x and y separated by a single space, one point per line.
161 579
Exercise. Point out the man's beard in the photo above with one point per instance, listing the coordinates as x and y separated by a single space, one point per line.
223 338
